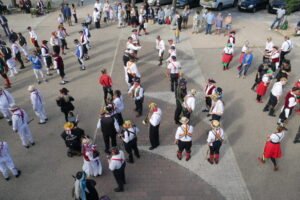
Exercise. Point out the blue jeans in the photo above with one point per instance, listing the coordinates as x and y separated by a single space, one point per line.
277 20
208 28
244 69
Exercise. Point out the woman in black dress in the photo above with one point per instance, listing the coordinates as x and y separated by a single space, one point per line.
64 101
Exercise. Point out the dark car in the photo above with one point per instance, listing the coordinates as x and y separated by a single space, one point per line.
275 4
190 3
252 5
136 1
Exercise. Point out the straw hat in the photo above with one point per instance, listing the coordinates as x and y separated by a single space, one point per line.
68 125
31 88
215 124
13 107
184 120
127 124
152 105
193 91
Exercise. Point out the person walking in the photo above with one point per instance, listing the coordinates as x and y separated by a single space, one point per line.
64 101
37 66
217 109
173 71
20 125
60 68
23 44
280 13
4 24
118 104
109 127
46 56
180 93
3 73
129 137
214 141
160 46
62 34
275 94
33 38
272 148
137 93
244 50
246 63
79 54
263 85
74 13
84 42
106 82
96 18
38 104
117 165
6 162
9 60
286 48
16 54
6 101
261 70
183 138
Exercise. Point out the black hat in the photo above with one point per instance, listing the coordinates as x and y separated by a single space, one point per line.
173 57
137 80
211 80
80 174
219 91
182 82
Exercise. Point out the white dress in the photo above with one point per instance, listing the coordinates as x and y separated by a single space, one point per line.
91 166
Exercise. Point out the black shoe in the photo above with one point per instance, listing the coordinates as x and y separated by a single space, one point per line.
33 143
138 156
19 173
208 115
129 161
118 190
272 115
107 152
9 122
151 148
205 110
7 179
42 122
46 119
27 147
23 67
177 122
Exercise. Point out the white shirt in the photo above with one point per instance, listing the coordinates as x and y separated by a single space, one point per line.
287 46
269 46
54 41
60 20
184 133
36 100
6 100
116 161
217 107
228 50
189 102
131 68
44 52
15 49
19 119
116 125
98 6
131 46
61 34
130 134
277 89
135 38
160 46
276 137
119 104
244 49
212 135
174 67
155 117
96 16
106 7
280 13
33 35
138 92
83 39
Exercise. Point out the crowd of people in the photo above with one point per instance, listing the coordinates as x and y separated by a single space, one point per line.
112 123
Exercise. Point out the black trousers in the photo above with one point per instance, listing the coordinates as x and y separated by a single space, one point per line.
184 146
132 146
154 135
49 61
19 59
97 24
119 118
85 50
56 49
272 101
174 81
215 148
119 175
106 91
75 18
125 60
109 136
282 56
215 117
139 105
282 116
178 111
208 102
63 43
186 113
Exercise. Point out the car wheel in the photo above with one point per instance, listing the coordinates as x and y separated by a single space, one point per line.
220 7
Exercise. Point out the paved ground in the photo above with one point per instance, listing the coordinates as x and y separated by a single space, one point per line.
157 175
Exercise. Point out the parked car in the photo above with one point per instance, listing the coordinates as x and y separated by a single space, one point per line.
159 2
136 1
252 5
275 4
183 3
218 4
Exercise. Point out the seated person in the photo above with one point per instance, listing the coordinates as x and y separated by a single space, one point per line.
27 6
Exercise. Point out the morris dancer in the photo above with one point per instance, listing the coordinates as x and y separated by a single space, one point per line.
183 139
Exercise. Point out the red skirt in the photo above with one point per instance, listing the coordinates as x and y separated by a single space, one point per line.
226 58
241 57
261 89
272 150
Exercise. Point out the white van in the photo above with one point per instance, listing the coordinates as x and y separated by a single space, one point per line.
218 4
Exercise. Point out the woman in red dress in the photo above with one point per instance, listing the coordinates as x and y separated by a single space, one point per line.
227 56
262 87
272 148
